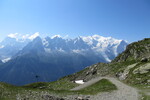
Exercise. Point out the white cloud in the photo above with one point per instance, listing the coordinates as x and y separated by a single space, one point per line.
13 35
34 35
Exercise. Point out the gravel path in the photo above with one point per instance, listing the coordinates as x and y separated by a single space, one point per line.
124 91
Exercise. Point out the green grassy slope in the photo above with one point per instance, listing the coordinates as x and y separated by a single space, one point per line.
39 90
103 85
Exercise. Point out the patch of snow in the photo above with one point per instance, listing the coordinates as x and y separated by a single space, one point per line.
100 41
26 36
78 51
88 40
61 50
23 37
47 50
75 42
45 42
13 35
100 44
79 82
106 57
117 43
6 60
115 49
66 37
34 36
99 38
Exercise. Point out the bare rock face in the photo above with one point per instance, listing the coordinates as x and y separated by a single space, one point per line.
123 75
135 51
144 60
142 69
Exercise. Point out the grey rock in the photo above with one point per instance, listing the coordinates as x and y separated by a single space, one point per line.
144 59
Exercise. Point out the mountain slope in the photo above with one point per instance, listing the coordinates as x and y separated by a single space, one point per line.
9 47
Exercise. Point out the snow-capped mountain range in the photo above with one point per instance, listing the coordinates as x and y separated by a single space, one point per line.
25 57
99 45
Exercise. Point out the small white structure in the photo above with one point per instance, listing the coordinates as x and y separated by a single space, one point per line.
79 82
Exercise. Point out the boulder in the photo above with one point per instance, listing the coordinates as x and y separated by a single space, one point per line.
144 59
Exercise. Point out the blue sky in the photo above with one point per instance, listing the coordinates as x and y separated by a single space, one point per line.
122 19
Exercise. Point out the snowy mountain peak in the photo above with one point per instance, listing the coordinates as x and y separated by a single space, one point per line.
15 35
34 36
37 39
96 44
78 40
56 36
99 41
23 37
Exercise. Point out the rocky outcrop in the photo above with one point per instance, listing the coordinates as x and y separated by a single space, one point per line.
99 69
135 51
144 60
142 69
123 75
